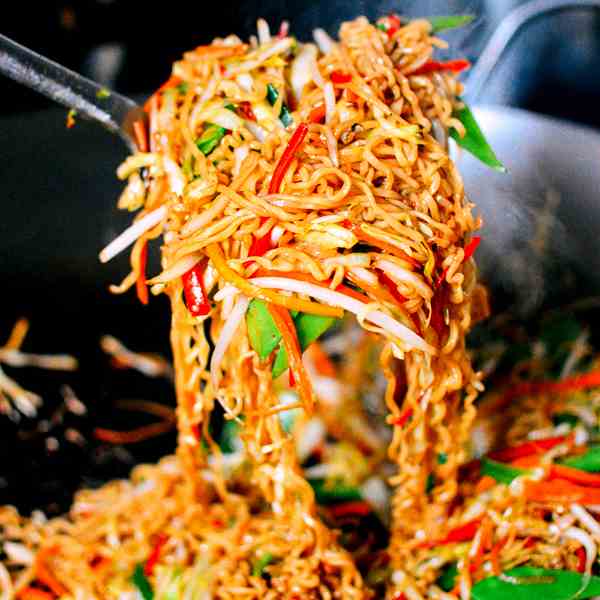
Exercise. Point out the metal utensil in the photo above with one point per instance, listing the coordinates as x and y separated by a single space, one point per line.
113 111
541 221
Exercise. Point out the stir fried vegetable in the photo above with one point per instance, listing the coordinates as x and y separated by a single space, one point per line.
439 24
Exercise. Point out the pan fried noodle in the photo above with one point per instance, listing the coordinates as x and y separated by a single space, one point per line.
291 183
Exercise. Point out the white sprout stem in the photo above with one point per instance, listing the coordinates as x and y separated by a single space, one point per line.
381 319
132 233
256 130
581 536
329 95
263 31
587 520
232 323
323 40
179 268
56 362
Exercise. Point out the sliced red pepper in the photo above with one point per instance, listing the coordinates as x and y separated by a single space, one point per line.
155 554
528 448
581 559
317 114
438 302
357 507
244 109
471 247
260 246
394 24
434 66
286 158
340 77
140 283
141 135
402 420
462 533
391 286
193 289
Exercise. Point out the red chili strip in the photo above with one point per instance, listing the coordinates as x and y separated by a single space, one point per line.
317 114
434 66
402 420
245 110
155 554
463 533
346 509
193 289
340 77
581 559
140 283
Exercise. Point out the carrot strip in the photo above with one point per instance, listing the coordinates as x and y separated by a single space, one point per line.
462 533
561 490
45 576
17 335
484 484
382 245
528 448
322 362
575 475
140 283
402 420
215 253
283 322
434 66
132 436
31 593
317 114
220 51
495 555
141 135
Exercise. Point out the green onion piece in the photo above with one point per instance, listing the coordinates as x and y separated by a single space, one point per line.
430 483
229 440
381 27
529 583
262 331
103 93
211 137
447 580
284 114
182 88
474 141
230 107
450 22
442 458
141 583
590 461
500 472
261 563
308 328
333 493
568 418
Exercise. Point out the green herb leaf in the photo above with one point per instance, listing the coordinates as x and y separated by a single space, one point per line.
500 472
590 461
450 22
442 458
261 563
284 114
262 331
211 137
529 583
309 328
447 580
103 93
334 493
230 107
229 440
182 88
381 27
474 141
141 583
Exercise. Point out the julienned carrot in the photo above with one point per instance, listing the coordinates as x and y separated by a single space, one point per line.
31 593
575 476
528 448
341 77
322 362
298 275
45 576
155 554
215 253
561 490
140 283
285 325
346 509
133 436
402 420
569 384
317 114
220 50
172 82
485 483
141 135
